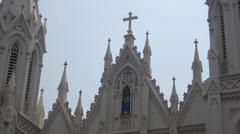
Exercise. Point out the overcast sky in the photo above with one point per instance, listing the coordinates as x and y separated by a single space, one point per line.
78 31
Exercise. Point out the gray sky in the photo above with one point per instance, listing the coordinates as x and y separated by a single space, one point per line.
78 31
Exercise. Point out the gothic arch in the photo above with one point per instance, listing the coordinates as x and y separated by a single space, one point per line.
31 85
12 62
24 46
126 102
127 76
125 85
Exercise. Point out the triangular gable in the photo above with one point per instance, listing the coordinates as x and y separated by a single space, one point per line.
59 122
194 107
128 56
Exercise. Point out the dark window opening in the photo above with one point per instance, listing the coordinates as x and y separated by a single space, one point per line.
126 101
12 62
28 84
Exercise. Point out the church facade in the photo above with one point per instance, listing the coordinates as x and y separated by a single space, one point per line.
128 101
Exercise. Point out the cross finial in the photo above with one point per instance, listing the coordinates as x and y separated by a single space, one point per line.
65 64
109 41
196 42
80 92
174 79
129 19
147 33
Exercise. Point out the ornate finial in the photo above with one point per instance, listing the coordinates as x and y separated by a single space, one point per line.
147 34
42 90
65 64
80 92
109 41
174 79
196 42
129 19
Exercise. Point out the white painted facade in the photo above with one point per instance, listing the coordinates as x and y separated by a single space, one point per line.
129 101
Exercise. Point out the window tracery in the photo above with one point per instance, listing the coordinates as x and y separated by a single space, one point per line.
126 84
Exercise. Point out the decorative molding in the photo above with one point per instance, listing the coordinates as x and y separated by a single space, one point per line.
230 82
26 126
233 111
192 129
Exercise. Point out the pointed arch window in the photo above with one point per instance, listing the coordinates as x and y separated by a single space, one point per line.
126 101
12 61
28 84
222 28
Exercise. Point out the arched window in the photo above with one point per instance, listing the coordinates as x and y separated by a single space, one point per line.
126 101
12 61
28 84
221 37
222 28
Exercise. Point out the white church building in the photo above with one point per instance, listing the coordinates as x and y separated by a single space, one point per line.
128 101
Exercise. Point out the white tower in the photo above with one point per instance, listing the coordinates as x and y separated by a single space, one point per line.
224 26
22 45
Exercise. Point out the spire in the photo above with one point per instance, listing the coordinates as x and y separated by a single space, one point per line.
174 97
197 65
63 86
108 56
147 53
40 115
79 110
147 48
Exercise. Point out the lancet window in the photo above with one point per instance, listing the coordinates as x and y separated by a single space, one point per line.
28 85
126 101
12 61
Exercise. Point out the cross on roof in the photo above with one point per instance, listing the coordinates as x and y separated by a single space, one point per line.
196 42
129 19
80 92
174 79
147 33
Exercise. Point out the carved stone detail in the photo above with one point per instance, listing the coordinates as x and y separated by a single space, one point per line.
230 82
25 125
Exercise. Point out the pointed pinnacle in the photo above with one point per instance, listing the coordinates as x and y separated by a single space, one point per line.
196 55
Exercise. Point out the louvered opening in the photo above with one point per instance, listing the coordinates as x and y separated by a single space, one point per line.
28 86
12 62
